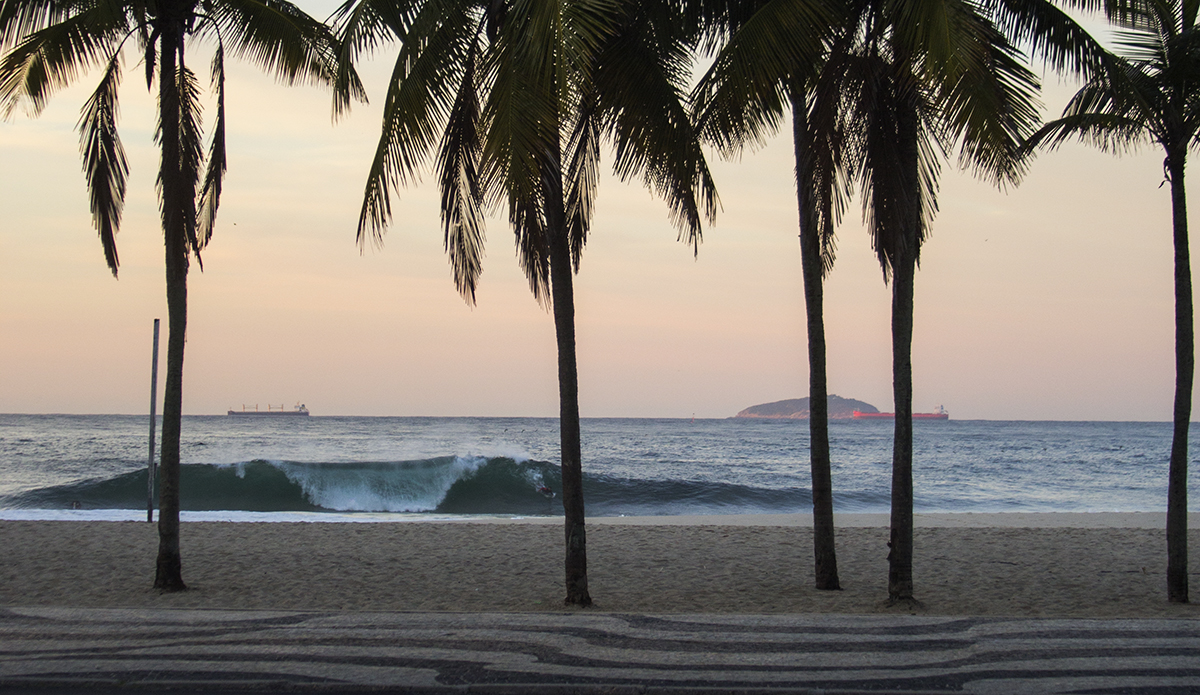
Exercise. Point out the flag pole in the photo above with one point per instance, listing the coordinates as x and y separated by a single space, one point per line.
150 462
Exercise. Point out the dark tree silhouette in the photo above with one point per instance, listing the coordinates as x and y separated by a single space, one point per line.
1150 93
894 87
738 101
514 96
49 43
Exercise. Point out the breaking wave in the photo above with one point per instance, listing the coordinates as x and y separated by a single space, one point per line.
447 485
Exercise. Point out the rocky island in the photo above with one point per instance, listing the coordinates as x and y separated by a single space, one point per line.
797 409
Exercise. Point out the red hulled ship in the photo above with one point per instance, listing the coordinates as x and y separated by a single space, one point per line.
939 413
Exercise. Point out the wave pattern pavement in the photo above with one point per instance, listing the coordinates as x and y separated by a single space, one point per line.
109 650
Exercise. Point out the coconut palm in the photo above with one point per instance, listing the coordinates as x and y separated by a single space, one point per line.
918 93
905 83
49 43
927 79
1151 94
510 100
731 117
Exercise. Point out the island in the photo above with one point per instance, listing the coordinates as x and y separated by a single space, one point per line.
797 409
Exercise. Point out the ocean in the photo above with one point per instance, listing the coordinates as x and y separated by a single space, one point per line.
402 468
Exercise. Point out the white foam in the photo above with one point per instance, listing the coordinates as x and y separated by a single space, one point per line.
421 489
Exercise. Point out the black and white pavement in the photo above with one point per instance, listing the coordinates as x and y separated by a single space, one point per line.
57 650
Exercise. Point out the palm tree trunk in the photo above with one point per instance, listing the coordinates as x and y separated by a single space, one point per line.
900 584
904 265
563 297
824 550
169 572
1185 362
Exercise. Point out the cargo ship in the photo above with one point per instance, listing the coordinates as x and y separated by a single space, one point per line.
938 413
300 410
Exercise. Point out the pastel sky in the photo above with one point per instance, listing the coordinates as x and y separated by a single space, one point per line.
1049 301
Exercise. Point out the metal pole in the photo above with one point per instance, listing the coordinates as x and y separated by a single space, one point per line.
150 463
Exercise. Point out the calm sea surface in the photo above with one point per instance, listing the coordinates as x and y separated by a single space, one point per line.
379 468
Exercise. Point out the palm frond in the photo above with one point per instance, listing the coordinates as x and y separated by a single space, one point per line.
1143 47
899 161
420 95
210 191
20 18
360 27
808 183
191 151
522 118
521 152
1116 91
833 187
149 43
823 179
533 34
51 58
376 209
533 244
1050 34
523 114
640 90
462 195
932 145
884 200
713 22
921 28
347 87
582 175
1116 111
1134 15
586 25
991 104
1111 133
740 99
519 155
363 26
279 37
104 160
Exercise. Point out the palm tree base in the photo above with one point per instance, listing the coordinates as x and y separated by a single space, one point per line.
168 578
579 601
907 603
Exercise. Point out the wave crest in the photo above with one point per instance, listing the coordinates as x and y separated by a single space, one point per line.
446 484
451 484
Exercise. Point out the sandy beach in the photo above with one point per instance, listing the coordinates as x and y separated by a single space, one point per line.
1029 565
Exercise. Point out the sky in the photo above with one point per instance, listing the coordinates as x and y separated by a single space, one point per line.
1049 301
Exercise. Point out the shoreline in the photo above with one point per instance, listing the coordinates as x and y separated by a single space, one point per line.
1098 519
1114 567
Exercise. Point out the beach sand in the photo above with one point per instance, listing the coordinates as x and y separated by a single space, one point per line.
1036 565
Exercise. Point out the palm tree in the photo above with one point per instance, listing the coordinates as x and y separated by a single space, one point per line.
730 117
1151 93
50 42
924 80
898 85
514 97
918 92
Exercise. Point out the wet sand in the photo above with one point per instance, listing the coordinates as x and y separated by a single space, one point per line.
1029 565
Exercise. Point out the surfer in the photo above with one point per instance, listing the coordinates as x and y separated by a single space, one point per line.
546 492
